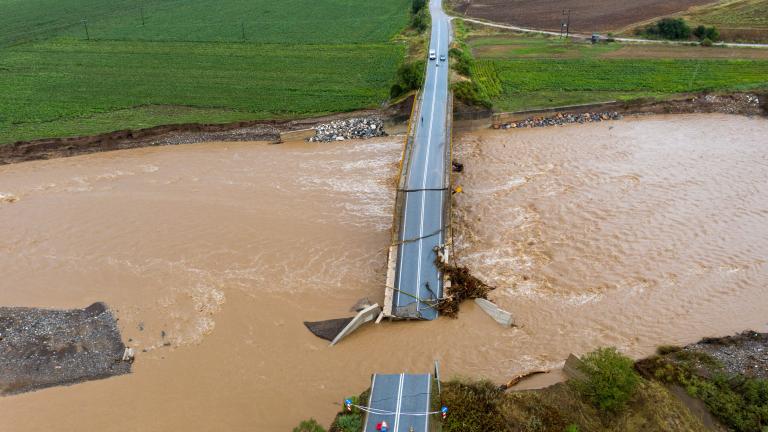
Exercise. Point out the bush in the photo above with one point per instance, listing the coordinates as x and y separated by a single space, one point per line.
349 423
469 93
474 407
420 20
410 76
572 428
309 426
417 6
670 28
464 61
610 379
707 42
710 33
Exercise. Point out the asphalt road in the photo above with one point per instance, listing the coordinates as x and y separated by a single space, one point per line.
422 222
402 400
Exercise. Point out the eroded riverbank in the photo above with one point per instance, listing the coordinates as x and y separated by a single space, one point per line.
644 231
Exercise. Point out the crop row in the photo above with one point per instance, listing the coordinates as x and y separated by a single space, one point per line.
664 76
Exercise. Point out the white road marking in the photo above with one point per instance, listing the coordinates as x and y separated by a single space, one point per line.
399 403
370 399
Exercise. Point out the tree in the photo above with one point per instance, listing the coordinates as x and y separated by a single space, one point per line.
703 32
670 28
417 6
610 380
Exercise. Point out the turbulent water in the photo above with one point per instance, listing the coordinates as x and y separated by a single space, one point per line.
632 233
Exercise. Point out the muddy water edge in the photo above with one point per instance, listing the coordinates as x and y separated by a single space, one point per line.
634 233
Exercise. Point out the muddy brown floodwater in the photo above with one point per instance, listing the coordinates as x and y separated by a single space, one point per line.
634 233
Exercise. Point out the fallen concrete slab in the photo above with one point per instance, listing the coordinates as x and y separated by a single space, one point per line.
499 315
366 315
42 348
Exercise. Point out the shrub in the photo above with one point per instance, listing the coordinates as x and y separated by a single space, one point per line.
417 6
410 76
706 42
474 407
572 428
420 20
349 423
309 426
703 32
610 379
670 28
470 93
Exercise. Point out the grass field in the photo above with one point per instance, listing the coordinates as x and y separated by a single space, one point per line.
525 72
188 63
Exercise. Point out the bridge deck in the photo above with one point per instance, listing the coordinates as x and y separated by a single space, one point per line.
401 400
417 279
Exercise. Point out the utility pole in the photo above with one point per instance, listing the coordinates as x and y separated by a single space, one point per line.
242 27
85 24
568 25
141 11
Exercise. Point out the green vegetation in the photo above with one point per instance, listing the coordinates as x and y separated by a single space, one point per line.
481 406
48 88
286 21
739 402
519 72
537 83
703 32
610 379
669 28
190 62
470 88
309 426
410 76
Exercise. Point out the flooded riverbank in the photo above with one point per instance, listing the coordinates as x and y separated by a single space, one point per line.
631 233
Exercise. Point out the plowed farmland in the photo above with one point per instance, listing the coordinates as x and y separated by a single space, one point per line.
586 16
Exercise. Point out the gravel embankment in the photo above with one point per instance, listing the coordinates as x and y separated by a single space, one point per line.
353 128
42 348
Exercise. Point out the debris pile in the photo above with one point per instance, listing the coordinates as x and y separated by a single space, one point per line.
353 128
463 286
561 119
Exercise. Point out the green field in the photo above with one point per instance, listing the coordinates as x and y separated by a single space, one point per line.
735 14
189 62
524 72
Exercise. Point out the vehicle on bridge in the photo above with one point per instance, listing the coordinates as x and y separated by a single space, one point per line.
442 57
432 54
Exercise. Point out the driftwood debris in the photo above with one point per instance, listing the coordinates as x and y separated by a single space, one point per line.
463 286
516 380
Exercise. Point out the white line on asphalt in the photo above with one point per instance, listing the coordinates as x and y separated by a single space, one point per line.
399 403
370 399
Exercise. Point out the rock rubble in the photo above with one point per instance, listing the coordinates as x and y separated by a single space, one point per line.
561 119
353 128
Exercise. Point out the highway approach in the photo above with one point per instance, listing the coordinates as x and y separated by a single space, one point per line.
417 279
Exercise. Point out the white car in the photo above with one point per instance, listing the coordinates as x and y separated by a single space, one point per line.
432 54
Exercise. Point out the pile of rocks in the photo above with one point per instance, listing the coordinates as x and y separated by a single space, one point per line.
561 119
353 128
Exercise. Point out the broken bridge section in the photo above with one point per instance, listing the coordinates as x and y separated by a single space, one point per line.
422 210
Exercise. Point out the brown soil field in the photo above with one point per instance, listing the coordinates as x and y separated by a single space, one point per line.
586 16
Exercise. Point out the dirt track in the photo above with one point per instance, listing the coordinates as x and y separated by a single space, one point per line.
586 16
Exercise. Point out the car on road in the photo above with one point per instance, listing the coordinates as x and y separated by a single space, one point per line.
432 54
442 57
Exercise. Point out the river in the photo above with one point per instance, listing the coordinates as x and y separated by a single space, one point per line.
634 233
